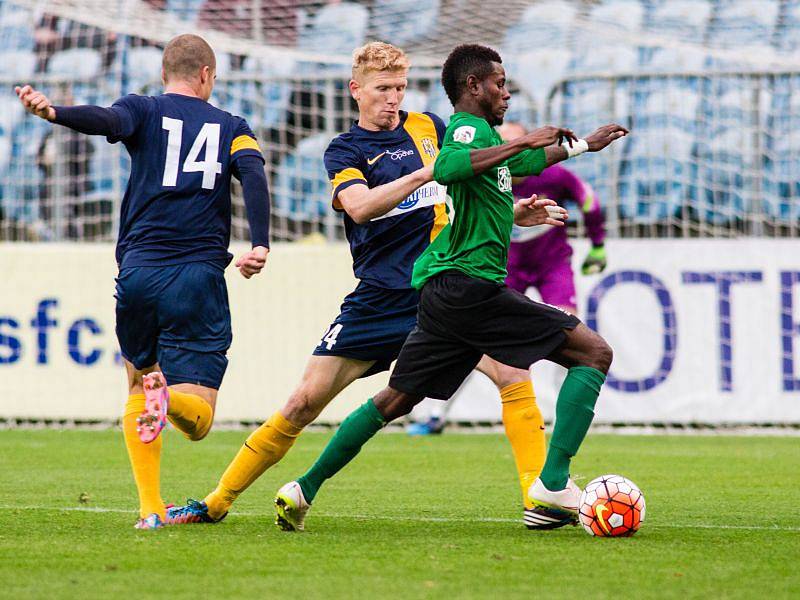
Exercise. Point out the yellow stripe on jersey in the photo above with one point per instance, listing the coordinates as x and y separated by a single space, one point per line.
440 219
244 142
422 130
348 174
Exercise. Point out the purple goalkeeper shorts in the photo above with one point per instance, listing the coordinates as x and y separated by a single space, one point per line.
545 264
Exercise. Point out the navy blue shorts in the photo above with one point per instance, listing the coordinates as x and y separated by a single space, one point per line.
373 325
177 316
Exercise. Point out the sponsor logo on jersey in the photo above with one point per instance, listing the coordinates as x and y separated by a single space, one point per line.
428 195
464 134
429 147
504 179
372 161
400 154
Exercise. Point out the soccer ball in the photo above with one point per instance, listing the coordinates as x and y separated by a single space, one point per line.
611 506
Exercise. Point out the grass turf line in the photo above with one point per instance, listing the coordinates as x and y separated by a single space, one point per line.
410 517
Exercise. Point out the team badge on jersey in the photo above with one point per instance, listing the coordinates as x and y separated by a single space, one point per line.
429 147
504 179
464 134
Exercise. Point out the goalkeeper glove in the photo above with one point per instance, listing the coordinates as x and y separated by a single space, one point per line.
595 261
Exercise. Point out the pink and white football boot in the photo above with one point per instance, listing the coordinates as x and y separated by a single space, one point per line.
156 402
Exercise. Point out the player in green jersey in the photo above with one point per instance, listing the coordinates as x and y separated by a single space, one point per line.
466 310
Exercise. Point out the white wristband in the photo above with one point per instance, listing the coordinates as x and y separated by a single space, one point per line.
576 149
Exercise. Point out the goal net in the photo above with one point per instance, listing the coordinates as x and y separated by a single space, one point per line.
710 87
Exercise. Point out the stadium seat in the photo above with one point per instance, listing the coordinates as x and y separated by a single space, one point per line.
683 19
302 190
418 20
186 10
19 64
655 174
265 99
788 33
739 23
782 152
336 29
605 59
11 114
537 71
16 28
76 63
618 14
721 176
415 101
144 69
674 60
546 22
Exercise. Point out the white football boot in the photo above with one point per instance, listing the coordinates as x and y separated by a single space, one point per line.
291 506
552 509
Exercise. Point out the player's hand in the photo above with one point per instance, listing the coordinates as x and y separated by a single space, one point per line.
35 102
251 263
595 261
535 211
604 136
549 135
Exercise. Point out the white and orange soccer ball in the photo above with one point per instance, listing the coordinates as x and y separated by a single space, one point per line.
611 506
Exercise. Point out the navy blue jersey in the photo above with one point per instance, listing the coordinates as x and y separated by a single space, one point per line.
177 205
384 249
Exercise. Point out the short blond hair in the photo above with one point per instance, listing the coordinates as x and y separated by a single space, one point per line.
185 55
378 56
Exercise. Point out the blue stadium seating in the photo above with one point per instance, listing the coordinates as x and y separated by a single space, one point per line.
739 23
549 23
302 189
419 20
186 10
143 69
782 152
622 14
336 29
16 30
788 33
684 19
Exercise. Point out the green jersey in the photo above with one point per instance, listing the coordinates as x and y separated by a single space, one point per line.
483 205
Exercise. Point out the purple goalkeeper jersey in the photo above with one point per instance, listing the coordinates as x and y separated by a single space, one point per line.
540 256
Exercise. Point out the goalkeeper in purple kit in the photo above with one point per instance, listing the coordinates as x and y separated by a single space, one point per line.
540 257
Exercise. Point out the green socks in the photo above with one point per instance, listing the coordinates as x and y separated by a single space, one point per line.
355 431
574 414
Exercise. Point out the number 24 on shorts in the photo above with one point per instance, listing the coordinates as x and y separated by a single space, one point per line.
330 337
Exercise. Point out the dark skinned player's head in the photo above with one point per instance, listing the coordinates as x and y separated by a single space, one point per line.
475 81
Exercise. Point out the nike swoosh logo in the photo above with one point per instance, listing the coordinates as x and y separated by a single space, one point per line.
372 161
599 510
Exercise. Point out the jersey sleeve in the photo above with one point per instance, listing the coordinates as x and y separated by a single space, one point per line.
453 163
527 162
244 142
131 110
345 168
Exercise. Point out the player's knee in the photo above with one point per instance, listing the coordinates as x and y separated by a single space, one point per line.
393 404
302 407
198 434
600 355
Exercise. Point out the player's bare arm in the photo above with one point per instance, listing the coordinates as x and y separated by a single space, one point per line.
486 158
363 203
600 139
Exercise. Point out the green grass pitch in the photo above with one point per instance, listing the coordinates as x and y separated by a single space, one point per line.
410 517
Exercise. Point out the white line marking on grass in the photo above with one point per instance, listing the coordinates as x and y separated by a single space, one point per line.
99 509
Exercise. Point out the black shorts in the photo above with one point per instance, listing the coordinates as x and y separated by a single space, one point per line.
460 319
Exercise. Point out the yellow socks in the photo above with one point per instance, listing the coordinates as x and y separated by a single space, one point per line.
190 414
145 460
525 430
265 447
